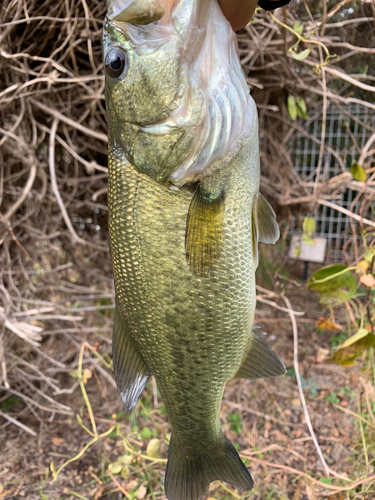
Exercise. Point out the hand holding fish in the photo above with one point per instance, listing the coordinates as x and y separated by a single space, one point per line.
239 12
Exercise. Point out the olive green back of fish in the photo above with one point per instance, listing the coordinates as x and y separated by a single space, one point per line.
184 267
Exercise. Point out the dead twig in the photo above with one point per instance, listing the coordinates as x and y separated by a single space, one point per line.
310 478
55 188
18 424
300 390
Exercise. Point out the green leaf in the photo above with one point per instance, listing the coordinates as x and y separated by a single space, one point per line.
292 107
335 284
125 459
326 480
115 467
153 448
120 415
298 27
235 422
307 239
353 347
358 173
8 403
301 108
301 56
332 398
308 226
124 472
146 433
362 332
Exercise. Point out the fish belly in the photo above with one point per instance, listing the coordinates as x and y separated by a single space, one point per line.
192 331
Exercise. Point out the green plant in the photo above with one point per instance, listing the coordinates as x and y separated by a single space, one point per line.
235 422
337 284
8 403
83 376
332 398
310 385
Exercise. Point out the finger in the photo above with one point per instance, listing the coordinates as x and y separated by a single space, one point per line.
238 12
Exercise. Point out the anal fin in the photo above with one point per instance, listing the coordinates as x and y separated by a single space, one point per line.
131 372
260 361
204 231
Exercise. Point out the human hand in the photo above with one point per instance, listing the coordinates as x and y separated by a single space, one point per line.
239 12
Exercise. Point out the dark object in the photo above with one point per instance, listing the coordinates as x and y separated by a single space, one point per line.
268 5
305 271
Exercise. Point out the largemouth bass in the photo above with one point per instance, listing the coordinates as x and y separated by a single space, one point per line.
185 219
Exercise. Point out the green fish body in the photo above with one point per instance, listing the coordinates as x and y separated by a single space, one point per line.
185 219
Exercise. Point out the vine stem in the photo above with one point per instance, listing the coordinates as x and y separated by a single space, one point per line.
301 39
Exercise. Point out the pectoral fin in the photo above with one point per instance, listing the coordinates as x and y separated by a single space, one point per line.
204 231
264 225
260 360
131 372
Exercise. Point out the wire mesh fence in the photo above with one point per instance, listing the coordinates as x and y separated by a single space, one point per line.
347 130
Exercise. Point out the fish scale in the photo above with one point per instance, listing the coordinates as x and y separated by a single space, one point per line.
192 330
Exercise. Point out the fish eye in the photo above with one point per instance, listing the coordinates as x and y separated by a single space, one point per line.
116 61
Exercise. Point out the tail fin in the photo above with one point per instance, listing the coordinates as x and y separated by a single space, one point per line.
189 478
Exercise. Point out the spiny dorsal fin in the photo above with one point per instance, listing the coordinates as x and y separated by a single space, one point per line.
204 231
260 360
131 372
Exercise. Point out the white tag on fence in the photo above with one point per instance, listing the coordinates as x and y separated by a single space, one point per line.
314 252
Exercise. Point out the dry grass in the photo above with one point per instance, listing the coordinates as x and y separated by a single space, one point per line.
55 275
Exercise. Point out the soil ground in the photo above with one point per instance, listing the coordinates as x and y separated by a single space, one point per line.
264 418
